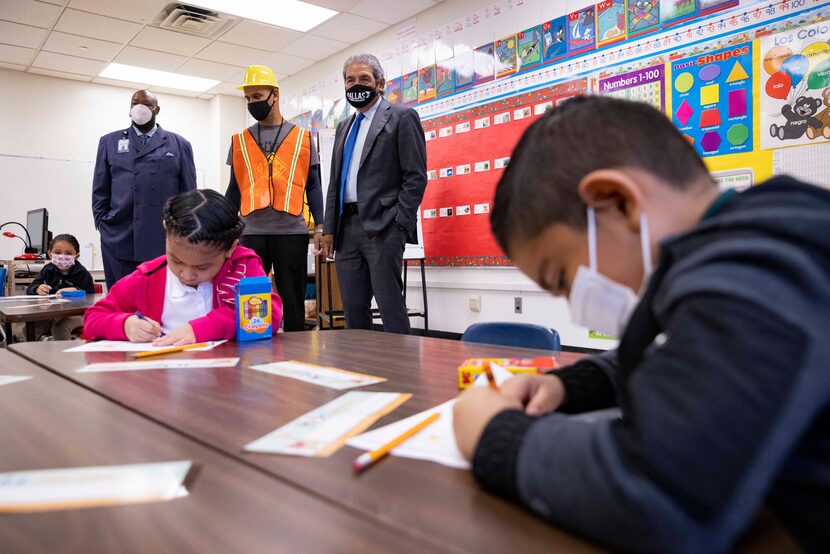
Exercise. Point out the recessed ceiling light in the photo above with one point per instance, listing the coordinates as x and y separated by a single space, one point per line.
291 14
132 73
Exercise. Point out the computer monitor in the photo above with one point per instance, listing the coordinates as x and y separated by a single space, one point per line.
37 223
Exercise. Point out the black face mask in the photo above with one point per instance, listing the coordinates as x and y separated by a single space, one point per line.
260 110
360 95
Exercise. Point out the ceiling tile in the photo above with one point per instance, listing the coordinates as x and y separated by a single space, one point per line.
21 35
208 70
390 12
29 12
336 5
232 54
96 26
70 64
228 88
283 63
124 84
150 59
56 2
313 47
15 54
15 66
169 41
61 74
177 92
260 35
139 12
348 28
83 47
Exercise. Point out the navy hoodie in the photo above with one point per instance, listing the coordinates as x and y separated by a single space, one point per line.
722 378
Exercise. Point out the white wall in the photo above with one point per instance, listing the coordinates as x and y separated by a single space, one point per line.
60 122
450 289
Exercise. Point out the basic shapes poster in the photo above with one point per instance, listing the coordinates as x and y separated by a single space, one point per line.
530 48
677 11
483 65
426 83
712 100
555 39
795 87
409 86
393 90
611 22
643 17
581 31
708 7
506 56
643 85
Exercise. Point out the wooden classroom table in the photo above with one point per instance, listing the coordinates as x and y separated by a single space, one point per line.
48 422
229 407
32 310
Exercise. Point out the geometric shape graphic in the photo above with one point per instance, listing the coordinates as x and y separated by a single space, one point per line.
684 113
738 73
710 141
737 102
737 134
709 73
690 139
684 82
710 118
709 94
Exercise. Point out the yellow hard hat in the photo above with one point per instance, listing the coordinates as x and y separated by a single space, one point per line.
259 76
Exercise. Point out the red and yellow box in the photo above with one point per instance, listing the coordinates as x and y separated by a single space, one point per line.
472 367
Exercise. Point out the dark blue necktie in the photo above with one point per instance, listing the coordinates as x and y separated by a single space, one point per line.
348 151
143 138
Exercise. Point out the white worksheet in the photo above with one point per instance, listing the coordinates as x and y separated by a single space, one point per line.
9 379
176 363
126 346
330 377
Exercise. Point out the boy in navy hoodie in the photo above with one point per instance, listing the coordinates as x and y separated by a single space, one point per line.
722 374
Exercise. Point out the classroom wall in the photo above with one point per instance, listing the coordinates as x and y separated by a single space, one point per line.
51 128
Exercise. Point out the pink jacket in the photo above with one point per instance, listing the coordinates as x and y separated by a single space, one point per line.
143 290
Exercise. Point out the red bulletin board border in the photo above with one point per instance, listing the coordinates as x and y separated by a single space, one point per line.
466 240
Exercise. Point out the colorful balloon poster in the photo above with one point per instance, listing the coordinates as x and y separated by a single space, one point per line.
530 48
795 87
712 100
611 22
581 31
555 40
643 17
677 11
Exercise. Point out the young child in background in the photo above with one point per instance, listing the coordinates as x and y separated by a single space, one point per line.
63 273
187 295
721 374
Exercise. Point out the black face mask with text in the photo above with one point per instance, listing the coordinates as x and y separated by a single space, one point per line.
260 110
360 96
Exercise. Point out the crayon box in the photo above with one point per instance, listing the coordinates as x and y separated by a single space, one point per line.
253 309
472 367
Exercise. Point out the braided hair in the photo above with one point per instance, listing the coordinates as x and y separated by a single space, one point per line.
203 216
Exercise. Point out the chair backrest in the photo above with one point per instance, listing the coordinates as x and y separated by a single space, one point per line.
98 288
523 335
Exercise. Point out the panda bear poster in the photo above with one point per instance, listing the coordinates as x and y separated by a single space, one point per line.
795 87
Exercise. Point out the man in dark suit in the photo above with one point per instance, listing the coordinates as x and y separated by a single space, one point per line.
378 178
137 169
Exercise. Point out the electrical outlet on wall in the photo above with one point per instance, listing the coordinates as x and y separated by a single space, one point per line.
475 303
517 305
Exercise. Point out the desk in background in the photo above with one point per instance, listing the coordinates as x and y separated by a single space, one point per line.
32 310
10 287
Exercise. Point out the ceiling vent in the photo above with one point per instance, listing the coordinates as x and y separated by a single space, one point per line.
194 21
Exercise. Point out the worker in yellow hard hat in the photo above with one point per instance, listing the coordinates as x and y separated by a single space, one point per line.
274 171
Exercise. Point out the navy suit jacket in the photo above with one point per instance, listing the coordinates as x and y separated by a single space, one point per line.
392 176
129 190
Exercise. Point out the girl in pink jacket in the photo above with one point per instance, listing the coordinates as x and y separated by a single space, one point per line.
187 295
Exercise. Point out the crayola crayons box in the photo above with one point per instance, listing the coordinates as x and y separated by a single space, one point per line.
472 367
253 309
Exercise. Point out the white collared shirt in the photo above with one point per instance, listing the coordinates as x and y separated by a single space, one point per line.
182 303
350 194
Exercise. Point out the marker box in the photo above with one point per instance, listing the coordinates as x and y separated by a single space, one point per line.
472 367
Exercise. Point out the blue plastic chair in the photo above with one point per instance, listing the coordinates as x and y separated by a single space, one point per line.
523 335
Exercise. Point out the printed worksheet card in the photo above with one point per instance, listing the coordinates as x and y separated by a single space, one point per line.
643 85
530 48
322 431
330 377
712 100
127 346
507 61
611 22
643 16
555 40
581 31
9 379
175 363
674 12
708 7
795 87
91 487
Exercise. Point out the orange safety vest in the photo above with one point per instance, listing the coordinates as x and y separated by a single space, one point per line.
285 191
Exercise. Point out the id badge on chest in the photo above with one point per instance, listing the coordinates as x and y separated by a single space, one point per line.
123 146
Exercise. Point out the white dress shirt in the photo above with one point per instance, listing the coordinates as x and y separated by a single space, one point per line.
183 304
350 194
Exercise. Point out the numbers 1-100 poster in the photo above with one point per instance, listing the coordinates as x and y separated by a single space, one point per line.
467 152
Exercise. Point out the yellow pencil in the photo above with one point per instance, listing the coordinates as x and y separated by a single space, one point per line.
168 350
365 460
490 379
